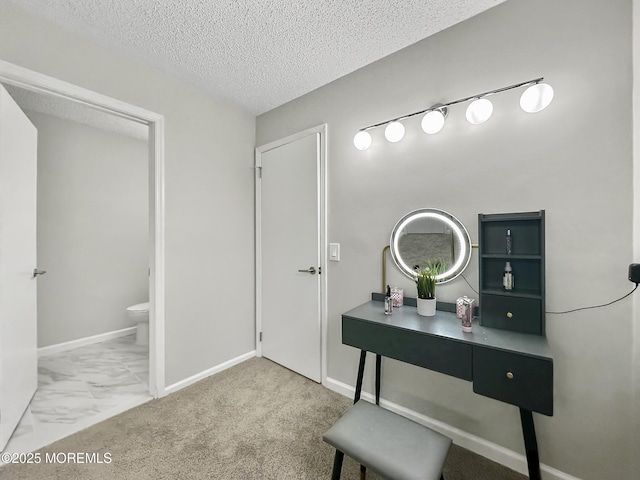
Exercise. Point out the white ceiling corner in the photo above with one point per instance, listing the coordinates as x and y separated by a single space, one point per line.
257 54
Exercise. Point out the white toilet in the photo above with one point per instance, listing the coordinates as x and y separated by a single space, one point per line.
139 314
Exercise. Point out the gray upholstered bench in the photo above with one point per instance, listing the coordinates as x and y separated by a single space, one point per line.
389 444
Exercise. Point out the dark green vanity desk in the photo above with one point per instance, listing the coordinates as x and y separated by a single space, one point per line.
512 367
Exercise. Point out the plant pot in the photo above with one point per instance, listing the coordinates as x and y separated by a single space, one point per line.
427 307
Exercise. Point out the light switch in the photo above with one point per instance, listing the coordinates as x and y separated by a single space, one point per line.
334 252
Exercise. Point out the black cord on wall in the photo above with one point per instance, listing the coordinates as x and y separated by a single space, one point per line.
597 306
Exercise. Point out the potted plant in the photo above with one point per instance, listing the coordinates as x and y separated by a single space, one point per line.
426 285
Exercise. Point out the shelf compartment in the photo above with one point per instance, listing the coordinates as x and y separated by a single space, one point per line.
525 237
526 275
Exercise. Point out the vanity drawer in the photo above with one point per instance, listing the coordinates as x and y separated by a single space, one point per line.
511 313
435 353
524 381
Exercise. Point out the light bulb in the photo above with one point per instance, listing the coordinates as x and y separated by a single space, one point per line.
433 122
479 111
537 97
394 132
362 140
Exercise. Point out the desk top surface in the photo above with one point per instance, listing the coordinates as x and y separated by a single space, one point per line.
447 326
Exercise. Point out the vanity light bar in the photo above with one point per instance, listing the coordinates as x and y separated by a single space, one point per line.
535 98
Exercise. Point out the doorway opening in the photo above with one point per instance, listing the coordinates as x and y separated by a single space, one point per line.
56 90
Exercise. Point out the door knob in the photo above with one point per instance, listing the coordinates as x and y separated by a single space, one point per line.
37 272
310 270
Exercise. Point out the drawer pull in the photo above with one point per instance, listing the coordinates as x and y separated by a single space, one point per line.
509 315
510 375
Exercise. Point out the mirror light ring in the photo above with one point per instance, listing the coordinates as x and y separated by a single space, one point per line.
456 225
446 220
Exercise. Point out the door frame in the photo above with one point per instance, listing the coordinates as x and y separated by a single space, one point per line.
15 75
322 218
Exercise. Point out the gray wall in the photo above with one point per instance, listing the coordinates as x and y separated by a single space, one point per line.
209 187
574 160
93 229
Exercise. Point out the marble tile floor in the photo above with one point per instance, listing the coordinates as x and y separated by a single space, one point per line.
81 387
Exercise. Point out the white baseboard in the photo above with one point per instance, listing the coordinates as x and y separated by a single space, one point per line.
81 342
207 373
485 448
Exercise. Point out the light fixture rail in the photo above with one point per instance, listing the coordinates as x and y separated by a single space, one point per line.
534 99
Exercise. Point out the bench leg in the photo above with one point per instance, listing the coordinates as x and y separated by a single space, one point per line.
530 443
363 472
337 465
363 357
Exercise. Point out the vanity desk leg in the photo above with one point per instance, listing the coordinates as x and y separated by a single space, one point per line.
378 367
363 357
530 444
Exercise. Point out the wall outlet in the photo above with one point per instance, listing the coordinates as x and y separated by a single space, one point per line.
634 273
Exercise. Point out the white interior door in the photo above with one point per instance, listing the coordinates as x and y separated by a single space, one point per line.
290 253
18 320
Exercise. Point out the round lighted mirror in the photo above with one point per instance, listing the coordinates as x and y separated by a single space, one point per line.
429 235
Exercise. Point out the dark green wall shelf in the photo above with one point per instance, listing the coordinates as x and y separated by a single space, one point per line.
522 308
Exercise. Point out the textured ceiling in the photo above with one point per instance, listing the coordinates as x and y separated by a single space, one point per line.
257 54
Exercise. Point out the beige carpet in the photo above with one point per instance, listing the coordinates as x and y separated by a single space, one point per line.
256 420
